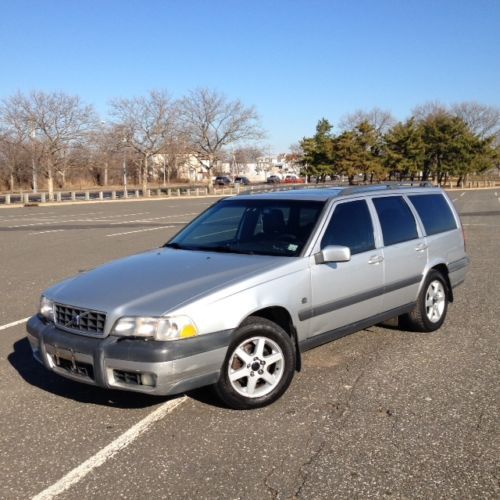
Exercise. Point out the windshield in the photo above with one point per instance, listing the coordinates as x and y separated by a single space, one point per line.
263 227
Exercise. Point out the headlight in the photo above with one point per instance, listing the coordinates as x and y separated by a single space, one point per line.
173 328
47 308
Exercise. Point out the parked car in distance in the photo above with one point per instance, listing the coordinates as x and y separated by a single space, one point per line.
240 179
222 180
293 179
239 293
273 179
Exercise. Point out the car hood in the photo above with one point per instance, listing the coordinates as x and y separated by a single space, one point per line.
159 281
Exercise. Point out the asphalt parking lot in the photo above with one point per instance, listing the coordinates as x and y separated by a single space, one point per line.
381 413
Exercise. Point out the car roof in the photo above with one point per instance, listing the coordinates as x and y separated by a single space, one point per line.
327 193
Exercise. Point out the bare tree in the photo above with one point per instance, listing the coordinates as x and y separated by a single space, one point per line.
147 123
212 122
379 119
428 110
482 120
105 152
12 156
59 121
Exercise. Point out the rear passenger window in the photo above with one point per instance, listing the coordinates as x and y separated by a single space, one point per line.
434 212
350 226
396 219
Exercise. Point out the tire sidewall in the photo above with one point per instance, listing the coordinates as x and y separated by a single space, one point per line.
262 328
429 325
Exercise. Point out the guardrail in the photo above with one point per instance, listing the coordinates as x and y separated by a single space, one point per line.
106 195
122 194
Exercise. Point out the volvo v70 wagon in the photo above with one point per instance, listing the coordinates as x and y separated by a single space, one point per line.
237 295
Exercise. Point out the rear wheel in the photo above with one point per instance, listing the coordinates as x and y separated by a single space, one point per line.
259 365
432 305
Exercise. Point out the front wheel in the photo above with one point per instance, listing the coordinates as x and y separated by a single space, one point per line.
432 305
259 365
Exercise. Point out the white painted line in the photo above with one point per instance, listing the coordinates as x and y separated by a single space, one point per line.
140 230
14 323
58 221
151 219
496 194
454 199
121 442
462 193
49 231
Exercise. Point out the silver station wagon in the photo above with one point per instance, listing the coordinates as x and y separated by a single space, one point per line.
237 295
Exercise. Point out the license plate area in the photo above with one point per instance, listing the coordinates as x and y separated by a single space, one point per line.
71 362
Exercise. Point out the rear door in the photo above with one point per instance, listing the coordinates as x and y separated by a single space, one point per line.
404 251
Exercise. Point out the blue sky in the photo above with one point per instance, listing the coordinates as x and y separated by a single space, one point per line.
295 61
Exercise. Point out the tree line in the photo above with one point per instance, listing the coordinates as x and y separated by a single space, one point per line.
437 142
48 139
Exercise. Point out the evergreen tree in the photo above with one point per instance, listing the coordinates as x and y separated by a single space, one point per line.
318 150
404 150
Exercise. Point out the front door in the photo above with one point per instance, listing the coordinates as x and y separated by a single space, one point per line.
344 293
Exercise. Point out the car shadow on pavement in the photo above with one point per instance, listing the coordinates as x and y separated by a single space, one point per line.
36 375
207 396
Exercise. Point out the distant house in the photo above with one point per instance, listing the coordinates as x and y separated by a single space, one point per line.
189 167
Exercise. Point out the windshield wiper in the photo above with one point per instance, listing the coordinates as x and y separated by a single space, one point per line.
220 248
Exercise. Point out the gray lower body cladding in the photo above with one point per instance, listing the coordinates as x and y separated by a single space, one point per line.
159 368
457 271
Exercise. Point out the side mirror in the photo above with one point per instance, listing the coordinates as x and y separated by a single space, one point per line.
333 253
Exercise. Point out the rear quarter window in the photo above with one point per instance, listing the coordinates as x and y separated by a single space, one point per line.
434 212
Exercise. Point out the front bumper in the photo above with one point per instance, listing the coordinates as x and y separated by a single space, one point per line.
151 367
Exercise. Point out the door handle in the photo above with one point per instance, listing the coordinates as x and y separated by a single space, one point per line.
375 259
421 247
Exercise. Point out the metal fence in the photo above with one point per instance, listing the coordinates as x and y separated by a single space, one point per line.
106 195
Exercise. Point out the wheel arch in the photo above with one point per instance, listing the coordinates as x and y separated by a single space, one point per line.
280 316
442 268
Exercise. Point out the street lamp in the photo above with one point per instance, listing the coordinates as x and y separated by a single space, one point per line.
33 163
124 140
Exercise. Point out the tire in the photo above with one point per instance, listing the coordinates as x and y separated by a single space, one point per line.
259 365
432 305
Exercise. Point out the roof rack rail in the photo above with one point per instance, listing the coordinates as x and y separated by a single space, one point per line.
363 189
397 185
381 187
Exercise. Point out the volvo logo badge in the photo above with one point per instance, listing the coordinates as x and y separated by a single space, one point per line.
76 320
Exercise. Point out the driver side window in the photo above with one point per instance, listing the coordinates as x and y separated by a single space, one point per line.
350 226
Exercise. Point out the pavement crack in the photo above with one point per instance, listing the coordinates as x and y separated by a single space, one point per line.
272 491
304 474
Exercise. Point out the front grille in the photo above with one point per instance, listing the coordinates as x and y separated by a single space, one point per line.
80 320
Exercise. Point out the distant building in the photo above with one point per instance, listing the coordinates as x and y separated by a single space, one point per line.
189 167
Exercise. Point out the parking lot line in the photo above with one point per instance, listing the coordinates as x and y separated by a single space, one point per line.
121 442
53 221
151 219
14 323
49 231
140 230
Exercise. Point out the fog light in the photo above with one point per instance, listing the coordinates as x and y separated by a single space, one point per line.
148 379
